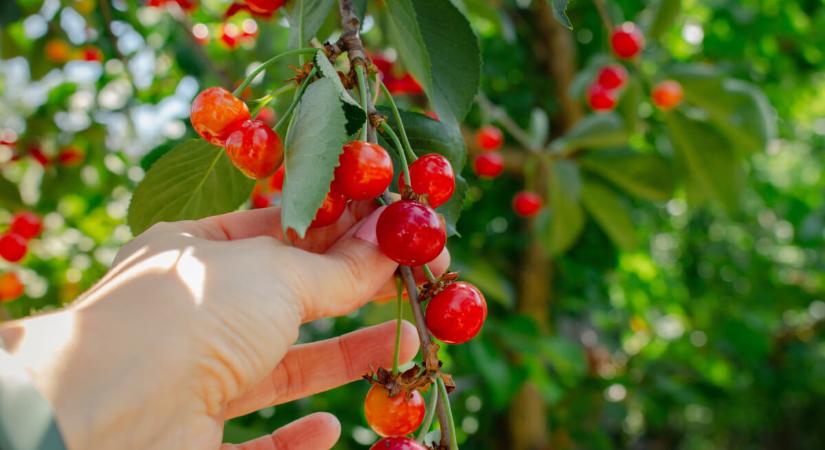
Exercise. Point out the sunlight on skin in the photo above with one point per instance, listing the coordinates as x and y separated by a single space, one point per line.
192 274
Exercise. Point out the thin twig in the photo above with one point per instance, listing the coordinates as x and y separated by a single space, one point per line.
501 116
602 8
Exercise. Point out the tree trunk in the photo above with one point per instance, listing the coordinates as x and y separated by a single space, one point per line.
529 427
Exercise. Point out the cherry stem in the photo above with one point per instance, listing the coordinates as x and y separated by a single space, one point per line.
387 130
427 423
429 273
265 100
399 316
267 63
363 89
442 389
297 98
397 116
603 14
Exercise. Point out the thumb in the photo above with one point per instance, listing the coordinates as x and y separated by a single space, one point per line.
350 273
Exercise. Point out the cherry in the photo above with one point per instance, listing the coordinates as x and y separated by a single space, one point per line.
26 224
70 156
667 95
267 116
329 212
397 443
393 416
264 6
230 35
455 315
216 113
612 76
431 175
255 149
527 203
364 171
489 138
276 183
601 98
12 247
627 40
258 197
57 50
488 165
410 233
10 287
92 53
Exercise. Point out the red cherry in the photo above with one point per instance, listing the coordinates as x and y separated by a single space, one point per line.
612 76
667 95
264 6
10 287
527 203
488 165
410 233
230 35
255 149
431 175
92 54
267 116
393 416
627 40
26 224
601 98
276 183
329 212
364 171
489 138
70 156
216 113
258 198
457 313
12 247
397 443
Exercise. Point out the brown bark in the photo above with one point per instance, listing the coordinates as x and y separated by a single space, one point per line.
529 429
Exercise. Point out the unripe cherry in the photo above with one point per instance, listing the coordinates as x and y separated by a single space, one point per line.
26 224
410 233
527 203
601 98
255 149
330 210
397 443
431 175
456 314
393 416
667 95
488 165
364 172
12 247
216 113
489 138
612 76
627 40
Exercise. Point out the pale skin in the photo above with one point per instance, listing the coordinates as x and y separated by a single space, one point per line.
196 323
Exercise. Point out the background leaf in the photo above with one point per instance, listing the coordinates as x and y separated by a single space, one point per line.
645 175
564 222
560 12
610 212
314 14
663 15
593 131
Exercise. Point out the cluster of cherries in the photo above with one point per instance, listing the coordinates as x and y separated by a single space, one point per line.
627 42
14 244
489 164
59 51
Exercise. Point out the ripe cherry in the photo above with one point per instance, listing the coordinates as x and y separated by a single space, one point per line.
489 138
393 416
26 224
255 149
12 247
267 116
527 203
332 208
397 443
456 314
264 6
276 183
10 287
216 113
601 98
230 35
612 76
431 175
410 233
488 165
92 54
667 95
70 157
258 198
364 171
627 40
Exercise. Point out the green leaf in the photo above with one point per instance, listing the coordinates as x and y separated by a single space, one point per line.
539 128
316 138
663 15
437 45
9 12
192 181
711 164
314 14
645 175
566 356
564 223
356 116
600 130
610 212
150 158
9 195
560 12
628 106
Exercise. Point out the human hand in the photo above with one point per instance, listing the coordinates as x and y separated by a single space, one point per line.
194 325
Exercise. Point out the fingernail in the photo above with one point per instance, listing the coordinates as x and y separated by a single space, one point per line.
366 232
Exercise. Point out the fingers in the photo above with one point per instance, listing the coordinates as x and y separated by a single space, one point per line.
319 431
311 368
438 266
